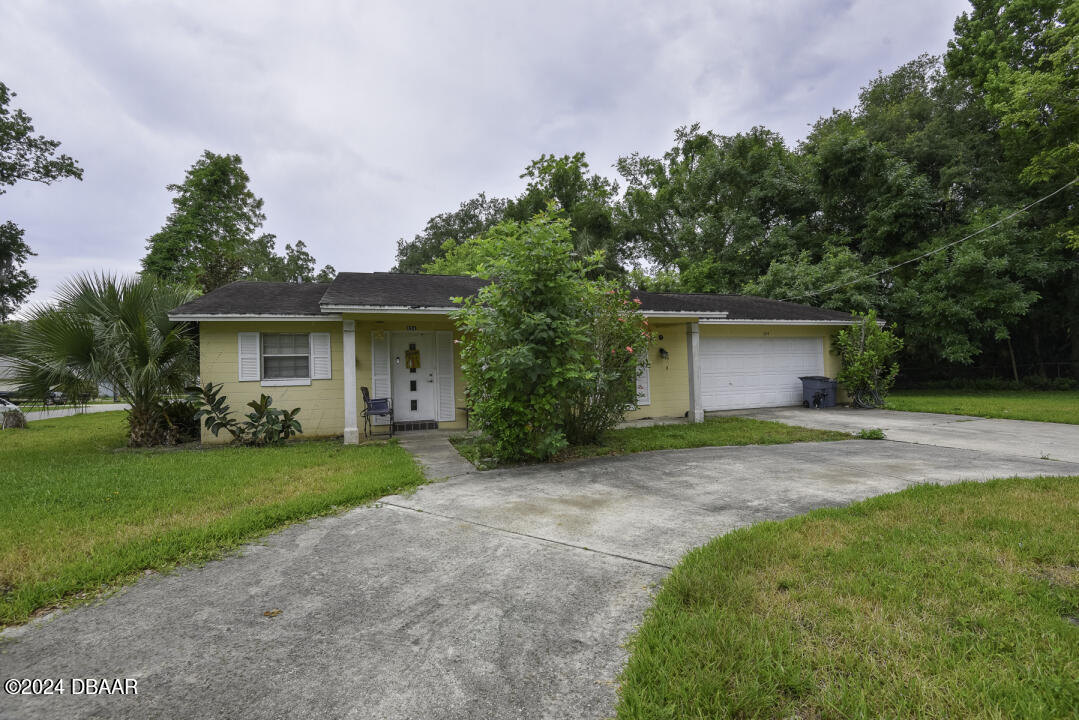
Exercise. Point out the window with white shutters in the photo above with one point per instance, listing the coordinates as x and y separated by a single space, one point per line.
286 356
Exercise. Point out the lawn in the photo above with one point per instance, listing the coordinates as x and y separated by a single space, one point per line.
1060 406
935 602
711 432
78 511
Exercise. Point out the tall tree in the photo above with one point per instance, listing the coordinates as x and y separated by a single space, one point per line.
718 208
563 185
474 217
23 156
566 184
212 236
296 266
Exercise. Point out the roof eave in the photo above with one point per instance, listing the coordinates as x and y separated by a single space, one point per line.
210 317
387 309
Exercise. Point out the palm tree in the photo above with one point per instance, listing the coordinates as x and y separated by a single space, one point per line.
115 330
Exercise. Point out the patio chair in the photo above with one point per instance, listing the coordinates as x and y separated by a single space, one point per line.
375 407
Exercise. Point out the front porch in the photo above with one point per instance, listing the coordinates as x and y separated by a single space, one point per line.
411 358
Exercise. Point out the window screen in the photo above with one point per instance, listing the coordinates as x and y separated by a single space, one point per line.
286 356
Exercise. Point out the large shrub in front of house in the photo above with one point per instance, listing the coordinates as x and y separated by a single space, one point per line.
869 367
550 356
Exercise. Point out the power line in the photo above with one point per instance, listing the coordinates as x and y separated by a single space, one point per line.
937 250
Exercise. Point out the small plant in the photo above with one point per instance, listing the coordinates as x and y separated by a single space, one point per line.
265 425
871 434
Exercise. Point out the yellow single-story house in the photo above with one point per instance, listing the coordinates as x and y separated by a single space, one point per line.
315 345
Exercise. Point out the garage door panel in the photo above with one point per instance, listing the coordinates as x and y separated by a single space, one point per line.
757 372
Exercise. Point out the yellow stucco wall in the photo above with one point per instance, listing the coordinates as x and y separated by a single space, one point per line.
668 379
322 403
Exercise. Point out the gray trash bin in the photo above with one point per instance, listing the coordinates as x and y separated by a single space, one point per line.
818 391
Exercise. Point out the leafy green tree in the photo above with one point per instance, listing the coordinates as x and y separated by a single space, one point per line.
955 302
212 237
800 278
28 157
105 329
15 283
869 198
447 230
869 367
717 208
9 331
584 199
539 352
297 266
1018 58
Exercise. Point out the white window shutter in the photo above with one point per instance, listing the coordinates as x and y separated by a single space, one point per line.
250 367
644 390
380 371
447 411
320 356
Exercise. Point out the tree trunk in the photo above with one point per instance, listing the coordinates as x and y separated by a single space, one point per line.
1011 354
144 428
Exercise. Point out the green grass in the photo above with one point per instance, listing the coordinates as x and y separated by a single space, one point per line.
711 432
78 511
1060 406
935 602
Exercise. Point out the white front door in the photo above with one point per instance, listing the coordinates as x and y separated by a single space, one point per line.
412 373
757 372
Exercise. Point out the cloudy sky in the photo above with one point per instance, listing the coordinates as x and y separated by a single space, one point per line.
357 121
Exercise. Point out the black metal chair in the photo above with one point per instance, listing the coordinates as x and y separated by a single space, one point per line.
375 407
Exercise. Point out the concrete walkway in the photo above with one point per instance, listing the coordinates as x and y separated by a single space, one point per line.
505 594
435 454
1022 438
67 411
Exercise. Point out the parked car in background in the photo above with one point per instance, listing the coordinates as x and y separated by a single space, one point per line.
55 397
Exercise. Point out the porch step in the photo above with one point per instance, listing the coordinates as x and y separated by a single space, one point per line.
417 425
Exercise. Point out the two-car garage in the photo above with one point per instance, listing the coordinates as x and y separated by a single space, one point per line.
749 372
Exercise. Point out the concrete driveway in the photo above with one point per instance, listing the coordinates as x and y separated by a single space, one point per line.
505 594
1021 438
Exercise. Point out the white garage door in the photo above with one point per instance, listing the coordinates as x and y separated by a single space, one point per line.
757 372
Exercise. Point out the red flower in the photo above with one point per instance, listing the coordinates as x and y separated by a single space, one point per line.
629 349
637 300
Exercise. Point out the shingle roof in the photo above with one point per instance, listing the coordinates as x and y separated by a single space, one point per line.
401 290
258 298
383 289
736 307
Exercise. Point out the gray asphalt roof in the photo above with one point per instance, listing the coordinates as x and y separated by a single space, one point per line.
385 290
258 298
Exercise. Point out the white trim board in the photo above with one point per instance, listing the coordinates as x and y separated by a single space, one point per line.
235 317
